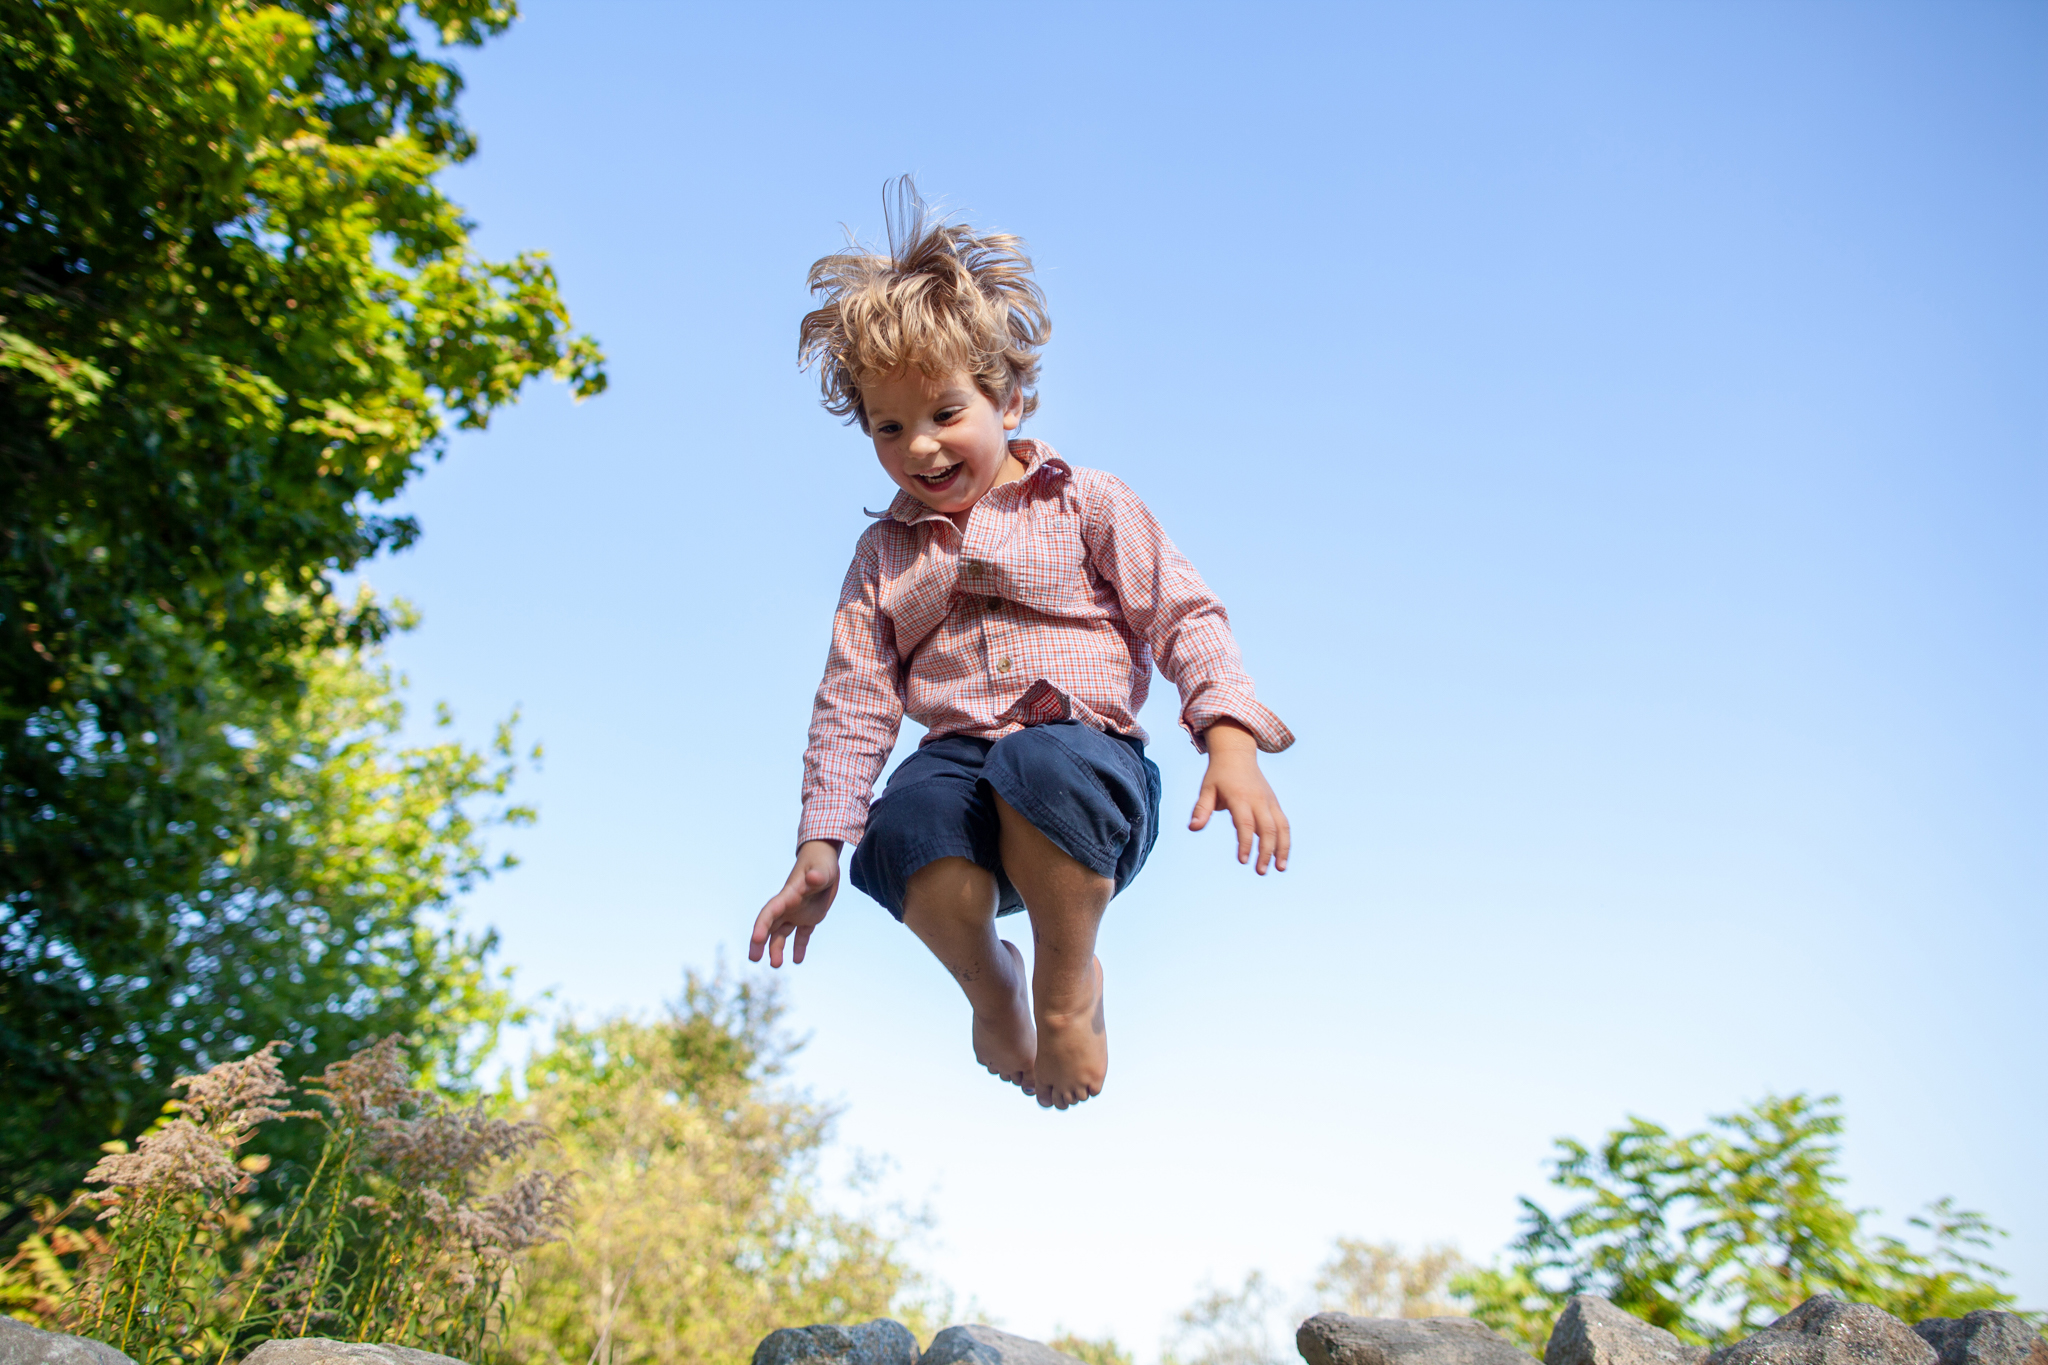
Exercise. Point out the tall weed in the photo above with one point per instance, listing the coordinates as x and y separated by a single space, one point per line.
404 1230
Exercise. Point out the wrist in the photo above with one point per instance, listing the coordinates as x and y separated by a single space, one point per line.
1225 737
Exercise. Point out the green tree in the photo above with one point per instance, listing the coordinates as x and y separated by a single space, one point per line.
698 1228
235 316
330 918
1713 1234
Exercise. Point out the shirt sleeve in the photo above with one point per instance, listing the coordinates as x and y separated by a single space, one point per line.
857 712
1166 602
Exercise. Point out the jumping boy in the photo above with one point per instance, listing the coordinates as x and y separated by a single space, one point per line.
1013 604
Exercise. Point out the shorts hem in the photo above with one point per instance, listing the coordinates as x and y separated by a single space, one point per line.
915 860
1046 822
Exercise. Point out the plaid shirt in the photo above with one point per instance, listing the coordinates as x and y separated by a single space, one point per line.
1052 605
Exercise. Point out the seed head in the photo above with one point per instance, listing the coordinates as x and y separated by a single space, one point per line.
180 1156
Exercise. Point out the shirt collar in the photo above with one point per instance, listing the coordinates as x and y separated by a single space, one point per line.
1038 457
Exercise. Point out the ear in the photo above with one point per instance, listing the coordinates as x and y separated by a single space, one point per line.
1013 411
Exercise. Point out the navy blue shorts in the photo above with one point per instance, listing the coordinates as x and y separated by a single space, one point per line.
1095 795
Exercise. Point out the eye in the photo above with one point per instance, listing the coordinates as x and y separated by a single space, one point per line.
888 428
948 414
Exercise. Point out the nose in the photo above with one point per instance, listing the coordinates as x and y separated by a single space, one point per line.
924 444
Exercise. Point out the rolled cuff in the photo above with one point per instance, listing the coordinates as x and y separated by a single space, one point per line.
1220 701
840 817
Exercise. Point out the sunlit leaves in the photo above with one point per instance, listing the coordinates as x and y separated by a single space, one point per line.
1712 1235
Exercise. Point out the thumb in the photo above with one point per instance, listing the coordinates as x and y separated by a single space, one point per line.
1205 806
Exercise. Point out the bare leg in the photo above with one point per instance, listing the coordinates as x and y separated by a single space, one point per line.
1066 902
951 905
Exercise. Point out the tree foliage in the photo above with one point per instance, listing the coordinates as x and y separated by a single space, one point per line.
698 1227
1712 1235
235 316
1379 1280
1228 1327
329 916
1102 1350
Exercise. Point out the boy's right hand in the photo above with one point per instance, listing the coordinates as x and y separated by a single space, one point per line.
800 905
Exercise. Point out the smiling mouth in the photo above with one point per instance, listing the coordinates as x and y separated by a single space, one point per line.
938 478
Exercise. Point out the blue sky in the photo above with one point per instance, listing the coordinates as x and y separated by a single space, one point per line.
1618 432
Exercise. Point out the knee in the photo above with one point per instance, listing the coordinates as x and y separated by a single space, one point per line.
949 888
1029 853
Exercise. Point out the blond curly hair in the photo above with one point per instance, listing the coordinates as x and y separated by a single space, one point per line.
945 299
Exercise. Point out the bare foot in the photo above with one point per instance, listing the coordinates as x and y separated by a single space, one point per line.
1004 1041
1073 1051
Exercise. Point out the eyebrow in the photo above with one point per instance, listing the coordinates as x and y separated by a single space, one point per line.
946 399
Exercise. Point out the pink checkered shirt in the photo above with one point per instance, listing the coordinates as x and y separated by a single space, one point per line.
1051 606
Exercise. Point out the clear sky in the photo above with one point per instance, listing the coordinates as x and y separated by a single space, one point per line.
1618 432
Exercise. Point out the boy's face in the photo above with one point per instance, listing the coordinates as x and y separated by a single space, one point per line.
941 440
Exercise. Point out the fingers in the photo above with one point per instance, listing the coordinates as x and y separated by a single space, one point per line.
1205 806
772 927
763 923
1261 825
1274 837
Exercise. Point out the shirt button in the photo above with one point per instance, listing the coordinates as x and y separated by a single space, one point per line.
973 568
995 604
1003 664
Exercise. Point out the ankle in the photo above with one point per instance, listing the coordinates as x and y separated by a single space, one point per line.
1062 1013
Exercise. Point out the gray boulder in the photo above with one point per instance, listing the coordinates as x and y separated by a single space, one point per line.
21 1344
1985 1337
1592 1331
880 1342
323 1351
1340 1339
1826 1331
978 1345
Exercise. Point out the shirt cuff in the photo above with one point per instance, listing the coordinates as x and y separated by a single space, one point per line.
828 818
1220 701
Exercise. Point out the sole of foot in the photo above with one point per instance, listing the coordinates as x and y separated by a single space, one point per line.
1073 1053
1008 1045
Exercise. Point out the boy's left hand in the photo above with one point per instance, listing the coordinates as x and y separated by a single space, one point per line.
1234 783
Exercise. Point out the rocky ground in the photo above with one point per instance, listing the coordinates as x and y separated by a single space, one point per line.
1821 1331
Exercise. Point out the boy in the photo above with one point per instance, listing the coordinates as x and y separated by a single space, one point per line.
1013 604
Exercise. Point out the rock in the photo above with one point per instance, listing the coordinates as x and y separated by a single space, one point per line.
1826 1331
880 1342
322 1351
1985 1337
21 1344
1340 1339
1592 1331
978 1345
